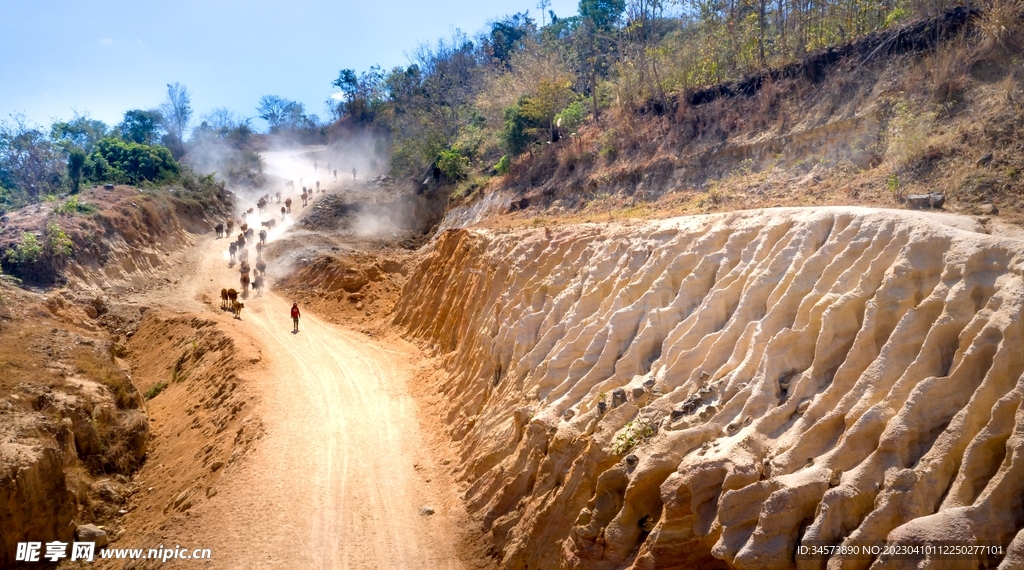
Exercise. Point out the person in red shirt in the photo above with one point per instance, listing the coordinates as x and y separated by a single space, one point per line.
295 317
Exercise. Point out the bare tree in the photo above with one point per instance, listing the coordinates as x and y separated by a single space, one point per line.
177 112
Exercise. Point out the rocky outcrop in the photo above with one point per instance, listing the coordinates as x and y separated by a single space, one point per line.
709 391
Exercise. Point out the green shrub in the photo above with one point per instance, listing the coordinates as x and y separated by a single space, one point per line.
122 162
503 166
155 390
27 252
73 206
453 164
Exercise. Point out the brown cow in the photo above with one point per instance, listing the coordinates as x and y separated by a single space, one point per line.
236 308
304 197
263 236
223 299
257 284
231 228
288 204
282 213
259 248
233 249
243 255
220 230
262 205
243 227
249 234
269 224
244 268
244 280
261 266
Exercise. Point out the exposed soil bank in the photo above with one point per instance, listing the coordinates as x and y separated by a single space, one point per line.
708 391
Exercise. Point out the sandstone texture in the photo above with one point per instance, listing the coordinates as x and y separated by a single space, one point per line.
707 392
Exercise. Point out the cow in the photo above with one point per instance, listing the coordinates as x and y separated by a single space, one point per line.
223 299
282 213
240 242
261 266
259 248
304 197
262 205
231 228
288 204
263 236
244 280
233 249
220 230
243 255
250 234
236 308
249 211
232 295
244 268
243 227
269 224
257 284
278 196
244 215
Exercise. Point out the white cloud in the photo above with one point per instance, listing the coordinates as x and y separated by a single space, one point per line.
339 96
106 41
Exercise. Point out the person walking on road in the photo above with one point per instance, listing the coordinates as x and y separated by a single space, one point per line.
295 317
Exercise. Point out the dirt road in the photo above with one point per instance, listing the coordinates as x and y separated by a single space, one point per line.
339 478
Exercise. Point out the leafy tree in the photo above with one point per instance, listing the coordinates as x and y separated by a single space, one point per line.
515 135
142 127
279 112
363 95
80 132
605 14
76 164
508 35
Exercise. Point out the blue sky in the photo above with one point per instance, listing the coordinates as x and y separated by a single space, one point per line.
104 57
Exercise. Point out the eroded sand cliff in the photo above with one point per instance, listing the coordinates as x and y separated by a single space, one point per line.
708 391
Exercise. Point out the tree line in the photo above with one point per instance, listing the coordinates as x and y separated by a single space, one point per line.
476 103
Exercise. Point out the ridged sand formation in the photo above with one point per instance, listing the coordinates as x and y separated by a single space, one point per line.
706 392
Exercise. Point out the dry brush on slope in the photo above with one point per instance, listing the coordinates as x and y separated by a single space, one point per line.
706 392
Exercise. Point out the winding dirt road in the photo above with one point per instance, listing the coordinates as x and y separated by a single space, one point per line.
339 478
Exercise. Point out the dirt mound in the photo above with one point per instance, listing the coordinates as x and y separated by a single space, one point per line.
357 289
192 370
116 237
709 391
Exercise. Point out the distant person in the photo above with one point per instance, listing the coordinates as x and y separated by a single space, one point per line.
353 173
335 174
295 317
314 166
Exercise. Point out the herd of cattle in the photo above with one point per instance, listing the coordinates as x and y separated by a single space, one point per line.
247 235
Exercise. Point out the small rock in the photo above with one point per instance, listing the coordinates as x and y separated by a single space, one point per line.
92 533
985 160
638 393
108 492
810 461
601 407
618 397
216 465
704 375
211 492
988 210
426 511
835 478
732 429
569 414
649 383
677 414
802 408
632 460
925 201
445 462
